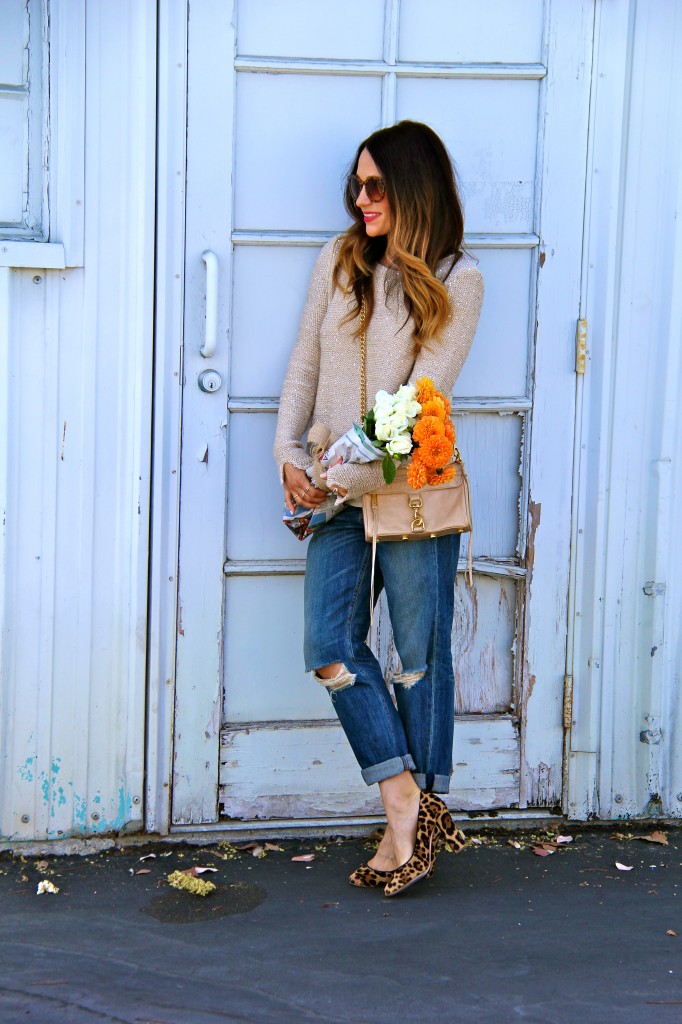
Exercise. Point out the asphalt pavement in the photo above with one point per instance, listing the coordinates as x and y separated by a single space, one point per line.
499 934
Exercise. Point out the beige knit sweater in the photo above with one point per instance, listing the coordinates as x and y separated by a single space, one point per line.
322 382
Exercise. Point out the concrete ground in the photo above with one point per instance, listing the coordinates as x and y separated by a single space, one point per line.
498 934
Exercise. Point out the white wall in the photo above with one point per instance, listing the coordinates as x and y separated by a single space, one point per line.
626 743
75 373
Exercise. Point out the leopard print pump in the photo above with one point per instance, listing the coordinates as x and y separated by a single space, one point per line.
434 819
366 877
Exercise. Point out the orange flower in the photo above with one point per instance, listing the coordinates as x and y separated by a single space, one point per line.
416 473
425 389
427 426
434 407
435 451
440 476
450 431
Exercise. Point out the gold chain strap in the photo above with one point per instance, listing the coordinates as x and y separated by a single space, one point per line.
363 359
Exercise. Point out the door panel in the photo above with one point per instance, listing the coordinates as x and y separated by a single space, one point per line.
484 31
497 365
260 342
308 28
301 102
290 130
490 127
273 685
493 441
308 771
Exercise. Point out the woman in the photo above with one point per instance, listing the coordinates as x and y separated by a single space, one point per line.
402 257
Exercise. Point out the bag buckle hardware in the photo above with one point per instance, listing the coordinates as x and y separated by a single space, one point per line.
417 524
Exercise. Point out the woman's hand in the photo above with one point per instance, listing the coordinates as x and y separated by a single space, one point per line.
299 490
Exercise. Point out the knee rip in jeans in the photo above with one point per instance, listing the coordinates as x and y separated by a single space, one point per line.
340 681
408 679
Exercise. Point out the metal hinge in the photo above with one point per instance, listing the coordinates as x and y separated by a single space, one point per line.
568 702
580 346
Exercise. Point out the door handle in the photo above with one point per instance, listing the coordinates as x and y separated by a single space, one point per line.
211 337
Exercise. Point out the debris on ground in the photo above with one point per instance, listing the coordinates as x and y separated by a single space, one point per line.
652 837
46 886
190 883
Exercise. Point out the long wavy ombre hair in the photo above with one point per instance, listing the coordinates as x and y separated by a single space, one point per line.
427 226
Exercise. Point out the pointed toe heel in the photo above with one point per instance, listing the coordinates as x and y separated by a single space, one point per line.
366 877
433 820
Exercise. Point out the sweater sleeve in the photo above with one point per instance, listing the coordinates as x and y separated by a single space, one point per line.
442 362
299 389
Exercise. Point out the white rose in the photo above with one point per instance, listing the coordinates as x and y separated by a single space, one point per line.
383 403
385 429
400 446
407 404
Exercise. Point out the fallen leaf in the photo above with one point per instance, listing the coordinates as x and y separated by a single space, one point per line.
305 856
258 851
144 871
274 846
618 835
514 843
42 865
655 837
200 870
147 856
46 886
671 931
624 867
167 853
244 847
195 871
564 839
541 852
477 842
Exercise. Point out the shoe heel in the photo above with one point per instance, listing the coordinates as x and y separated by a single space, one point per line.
450 831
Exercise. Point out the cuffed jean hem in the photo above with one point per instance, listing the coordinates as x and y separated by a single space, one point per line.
441 783
387 769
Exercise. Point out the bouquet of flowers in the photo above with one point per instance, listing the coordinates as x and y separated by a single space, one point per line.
415 422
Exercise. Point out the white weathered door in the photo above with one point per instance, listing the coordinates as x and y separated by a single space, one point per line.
279 95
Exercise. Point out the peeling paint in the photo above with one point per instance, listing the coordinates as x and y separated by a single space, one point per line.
534 512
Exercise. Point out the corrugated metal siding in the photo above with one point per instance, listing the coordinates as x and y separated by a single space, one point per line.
626 749
76 521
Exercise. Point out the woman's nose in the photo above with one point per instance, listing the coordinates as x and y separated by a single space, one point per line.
362 198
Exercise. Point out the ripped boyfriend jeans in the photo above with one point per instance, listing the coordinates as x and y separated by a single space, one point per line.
418 577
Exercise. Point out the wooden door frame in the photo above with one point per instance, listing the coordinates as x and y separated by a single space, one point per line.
568 47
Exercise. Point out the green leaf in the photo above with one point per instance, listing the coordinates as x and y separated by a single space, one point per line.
388 469
368 424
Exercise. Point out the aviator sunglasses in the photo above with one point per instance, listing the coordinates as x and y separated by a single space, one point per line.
374 187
